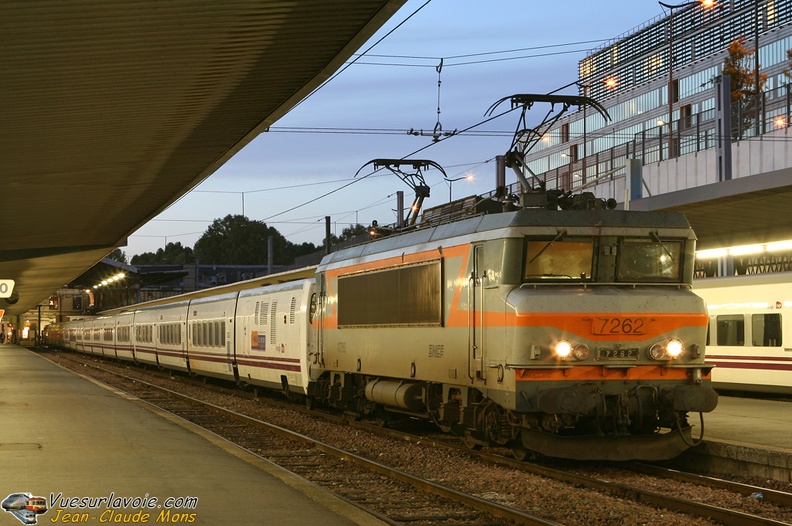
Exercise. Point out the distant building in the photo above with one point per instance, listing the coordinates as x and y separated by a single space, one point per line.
630 76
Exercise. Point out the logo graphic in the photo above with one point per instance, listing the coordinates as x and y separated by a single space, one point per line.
25 507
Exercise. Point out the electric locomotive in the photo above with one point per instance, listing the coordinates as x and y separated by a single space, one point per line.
569 333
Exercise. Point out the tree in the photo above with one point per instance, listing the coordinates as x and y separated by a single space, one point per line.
117 255
743 85
237 240
172 254
352 232
295 251
233 240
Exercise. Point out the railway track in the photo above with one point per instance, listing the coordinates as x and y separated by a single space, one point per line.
402 497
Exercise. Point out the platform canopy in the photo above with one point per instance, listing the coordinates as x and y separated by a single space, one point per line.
112 110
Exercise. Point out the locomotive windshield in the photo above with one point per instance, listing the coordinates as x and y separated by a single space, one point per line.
603 259
559 259
646 260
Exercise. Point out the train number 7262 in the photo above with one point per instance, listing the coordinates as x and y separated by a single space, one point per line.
619 325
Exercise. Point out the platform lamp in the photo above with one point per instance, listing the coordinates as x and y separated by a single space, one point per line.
702 3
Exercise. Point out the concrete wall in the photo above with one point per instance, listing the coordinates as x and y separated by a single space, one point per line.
749 157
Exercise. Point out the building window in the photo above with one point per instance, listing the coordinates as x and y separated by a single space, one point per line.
564 132
685 117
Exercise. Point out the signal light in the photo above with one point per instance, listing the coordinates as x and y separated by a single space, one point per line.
581 351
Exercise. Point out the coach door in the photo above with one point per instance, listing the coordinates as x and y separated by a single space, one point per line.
476 316
318 313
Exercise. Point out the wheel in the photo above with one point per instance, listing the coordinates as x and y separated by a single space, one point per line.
519 451
471 443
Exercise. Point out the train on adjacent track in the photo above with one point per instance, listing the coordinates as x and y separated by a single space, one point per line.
569 331
750 323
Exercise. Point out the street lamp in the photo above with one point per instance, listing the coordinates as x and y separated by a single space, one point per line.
468 177
703 3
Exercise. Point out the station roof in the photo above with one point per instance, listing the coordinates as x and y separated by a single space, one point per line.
113 110
743 211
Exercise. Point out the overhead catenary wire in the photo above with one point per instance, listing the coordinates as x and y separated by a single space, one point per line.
476 62
372 46
372 131
347 131
451 61
448 61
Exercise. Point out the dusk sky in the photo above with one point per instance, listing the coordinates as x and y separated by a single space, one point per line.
490 49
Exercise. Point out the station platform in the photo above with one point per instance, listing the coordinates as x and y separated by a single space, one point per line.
68 439
750 421
64 437
744 436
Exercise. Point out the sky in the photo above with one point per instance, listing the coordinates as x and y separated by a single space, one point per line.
304 168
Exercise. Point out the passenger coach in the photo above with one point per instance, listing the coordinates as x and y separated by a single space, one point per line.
750 324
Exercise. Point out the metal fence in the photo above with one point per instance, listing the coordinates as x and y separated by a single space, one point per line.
689 134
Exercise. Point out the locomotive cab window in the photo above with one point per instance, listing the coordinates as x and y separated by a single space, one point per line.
650 260
558 259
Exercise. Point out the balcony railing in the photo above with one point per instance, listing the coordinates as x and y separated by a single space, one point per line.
689 134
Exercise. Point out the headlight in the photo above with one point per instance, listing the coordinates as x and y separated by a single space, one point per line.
674 348
667 350
563 349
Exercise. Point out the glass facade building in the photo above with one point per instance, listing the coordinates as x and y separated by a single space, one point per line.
631 76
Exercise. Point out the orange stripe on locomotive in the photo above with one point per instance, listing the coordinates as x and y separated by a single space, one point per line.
584 324
580 373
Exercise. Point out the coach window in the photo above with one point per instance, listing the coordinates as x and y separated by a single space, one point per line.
766 330
558 259
731 329
709 331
